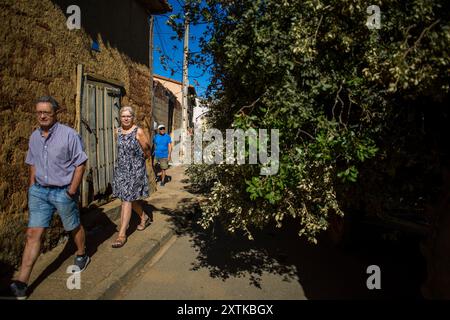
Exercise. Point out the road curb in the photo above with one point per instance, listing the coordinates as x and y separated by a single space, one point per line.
110 286
125 273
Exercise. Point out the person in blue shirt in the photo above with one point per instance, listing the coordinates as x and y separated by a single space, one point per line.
163 150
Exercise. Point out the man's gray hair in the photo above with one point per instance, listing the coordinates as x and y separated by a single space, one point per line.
129 109
49 99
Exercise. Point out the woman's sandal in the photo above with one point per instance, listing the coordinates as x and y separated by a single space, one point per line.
120 241
144 224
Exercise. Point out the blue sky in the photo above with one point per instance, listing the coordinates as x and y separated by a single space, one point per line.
164 45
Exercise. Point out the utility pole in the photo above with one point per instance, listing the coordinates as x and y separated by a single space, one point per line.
185 83
151 182
151 75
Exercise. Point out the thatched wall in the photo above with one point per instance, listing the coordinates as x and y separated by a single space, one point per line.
38 56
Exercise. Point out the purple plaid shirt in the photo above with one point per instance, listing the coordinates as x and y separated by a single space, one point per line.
55 157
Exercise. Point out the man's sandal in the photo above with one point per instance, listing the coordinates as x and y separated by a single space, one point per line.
144 224
120 241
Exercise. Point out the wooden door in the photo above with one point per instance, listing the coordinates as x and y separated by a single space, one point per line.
99 117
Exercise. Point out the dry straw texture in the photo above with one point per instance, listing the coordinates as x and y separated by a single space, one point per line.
38 56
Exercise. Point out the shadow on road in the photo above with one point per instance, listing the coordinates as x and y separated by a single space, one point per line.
324 271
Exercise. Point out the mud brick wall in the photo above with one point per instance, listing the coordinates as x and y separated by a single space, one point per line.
161 104
38 56
161 107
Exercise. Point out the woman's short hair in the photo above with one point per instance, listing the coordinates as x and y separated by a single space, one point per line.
129 109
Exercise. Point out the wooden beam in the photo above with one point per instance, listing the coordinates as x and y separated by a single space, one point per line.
78 98
99 78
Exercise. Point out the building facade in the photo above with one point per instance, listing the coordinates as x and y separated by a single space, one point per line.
167 108
199 114
92 71
176 88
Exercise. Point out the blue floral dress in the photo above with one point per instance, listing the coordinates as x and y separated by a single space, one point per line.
130 181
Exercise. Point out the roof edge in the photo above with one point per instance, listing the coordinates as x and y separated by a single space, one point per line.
167 79
163 6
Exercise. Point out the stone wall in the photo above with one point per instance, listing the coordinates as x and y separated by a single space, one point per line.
162 100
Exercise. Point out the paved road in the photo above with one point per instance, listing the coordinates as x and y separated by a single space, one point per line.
199 265
177 276
215 265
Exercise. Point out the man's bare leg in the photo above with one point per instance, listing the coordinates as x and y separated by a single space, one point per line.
163 176
79 237
30 253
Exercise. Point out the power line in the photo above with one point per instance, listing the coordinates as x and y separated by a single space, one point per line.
158 32
161 40
174 65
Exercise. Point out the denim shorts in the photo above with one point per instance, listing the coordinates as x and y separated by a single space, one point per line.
44 201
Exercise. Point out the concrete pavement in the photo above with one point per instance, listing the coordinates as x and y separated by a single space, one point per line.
175 277
110 268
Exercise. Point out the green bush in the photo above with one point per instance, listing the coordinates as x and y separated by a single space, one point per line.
333 87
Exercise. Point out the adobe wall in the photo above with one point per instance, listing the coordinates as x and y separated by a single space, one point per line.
38 56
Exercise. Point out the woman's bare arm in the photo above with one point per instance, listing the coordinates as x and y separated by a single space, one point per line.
144 142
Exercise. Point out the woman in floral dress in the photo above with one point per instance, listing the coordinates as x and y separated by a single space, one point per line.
130 182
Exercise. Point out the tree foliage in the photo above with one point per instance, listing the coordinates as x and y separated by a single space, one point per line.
333 87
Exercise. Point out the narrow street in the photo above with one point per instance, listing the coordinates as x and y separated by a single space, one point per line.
176 276
213 264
